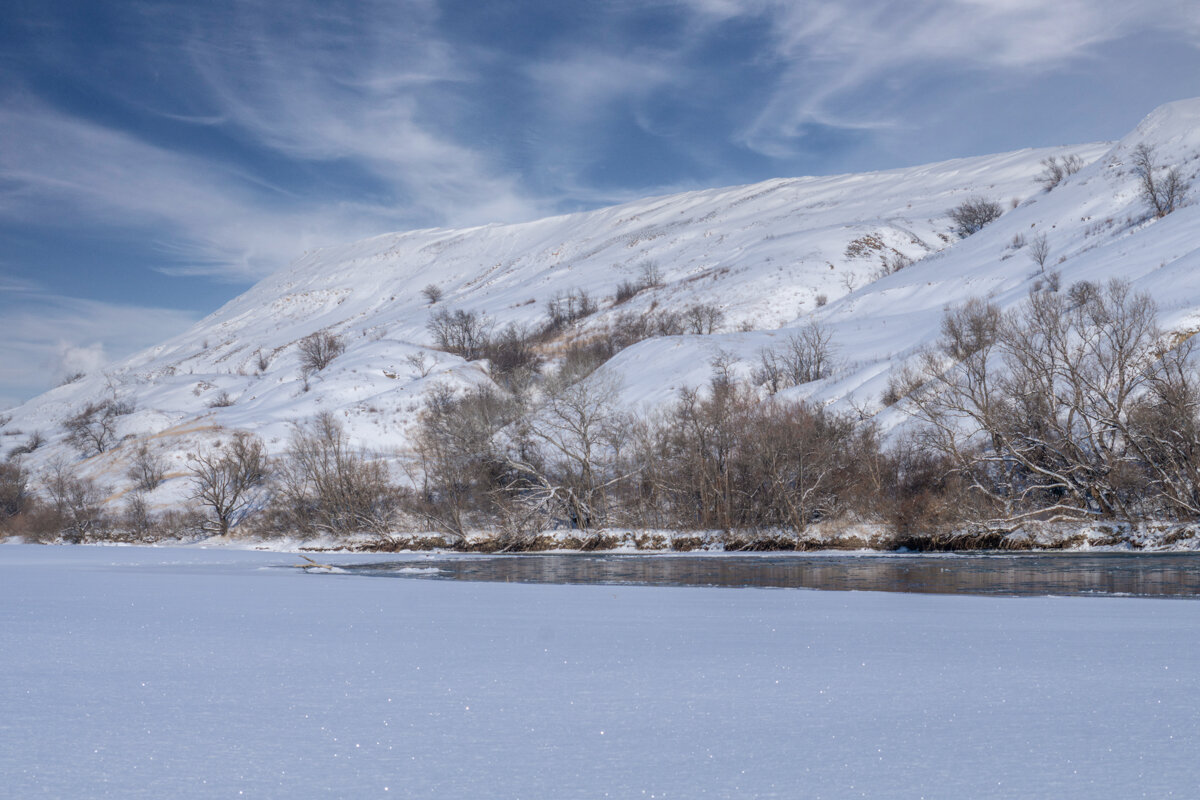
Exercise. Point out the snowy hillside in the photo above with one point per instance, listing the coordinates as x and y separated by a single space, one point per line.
770 256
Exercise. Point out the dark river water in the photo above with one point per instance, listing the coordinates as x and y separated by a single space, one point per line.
1127 574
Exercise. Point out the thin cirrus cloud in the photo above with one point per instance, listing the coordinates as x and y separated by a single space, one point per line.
63 169
857 65
376 89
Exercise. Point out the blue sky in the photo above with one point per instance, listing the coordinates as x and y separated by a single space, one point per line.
156 158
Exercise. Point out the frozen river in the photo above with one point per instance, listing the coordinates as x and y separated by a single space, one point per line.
175 672
1028 574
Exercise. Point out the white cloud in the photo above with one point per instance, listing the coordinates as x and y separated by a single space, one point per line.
371 87
49 336
830 52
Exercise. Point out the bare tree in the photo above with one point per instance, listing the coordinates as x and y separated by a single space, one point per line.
77 500
1054 171
459 466
147 469
433 293
809 354
137 518
703 318
464 333
579 436
566 308
1162 194
1036 408
325 485
973 214
318 350
1039 251
34 441
94 428
228 480
14 488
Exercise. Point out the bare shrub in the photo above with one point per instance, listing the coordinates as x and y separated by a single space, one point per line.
34 441
318 350
821 300
649 274
770 372
417 361
148 468
433 293
458 464
973 214
261 361
1039 251
77 501
137 519
1082 293
668 323
14 489
626 291
901 383
970 328
1039 416
511 355
1162 194
566 308
325 486
228 481
94 428
1055 170
72 377
729 461
576 435
809 354
222 400
464 333
703 318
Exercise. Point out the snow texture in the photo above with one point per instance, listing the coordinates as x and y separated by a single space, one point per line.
175 672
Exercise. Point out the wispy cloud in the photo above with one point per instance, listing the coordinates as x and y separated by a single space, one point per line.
841 64
49 336
371 85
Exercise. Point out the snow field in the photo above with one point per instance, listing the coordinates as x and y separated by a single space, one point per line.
173 672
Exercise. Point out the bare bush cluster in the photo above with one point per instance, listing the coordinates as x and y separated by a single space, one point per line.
805 356
1070 409
703 318
1162 193
318 350
77 501
464 333
970 216
94 428
649 277
147 469
1055 170
323 485
228 480
566 308
433 293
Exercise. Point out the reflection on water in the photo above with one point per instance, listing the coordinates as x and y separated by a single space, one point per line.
1139 574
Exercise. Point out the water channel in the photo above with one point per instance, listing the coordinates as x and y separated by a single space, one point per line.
1020 574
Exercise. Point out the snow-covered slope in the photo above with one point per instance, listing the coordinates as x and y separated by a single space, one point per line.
763 253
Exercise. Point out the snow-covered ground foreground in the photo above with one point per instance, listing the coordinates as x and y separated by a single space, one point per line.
173 672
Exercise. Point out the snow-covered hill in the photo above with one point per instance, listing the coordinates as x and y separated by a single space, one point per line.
772 256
